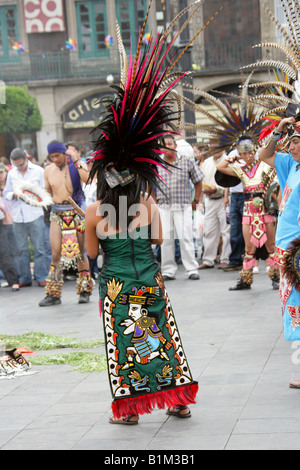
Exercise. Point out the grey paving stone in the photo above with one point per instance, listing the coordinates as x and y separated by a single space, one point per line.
236 350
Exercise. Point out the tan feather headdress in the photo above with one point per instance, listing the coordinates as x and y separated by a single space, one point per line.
283 89
230 123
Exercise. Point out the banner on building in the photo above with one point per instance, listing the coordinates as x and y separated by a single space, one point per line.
44 16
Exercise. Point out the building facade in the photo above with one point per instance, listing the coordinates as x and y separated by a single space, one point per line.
37 50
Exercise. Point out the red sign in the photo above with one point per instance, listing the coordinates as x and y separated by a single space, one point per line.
44 16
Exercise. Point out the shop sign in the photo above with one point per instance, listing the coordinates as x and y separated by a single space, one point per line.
44 16
84 113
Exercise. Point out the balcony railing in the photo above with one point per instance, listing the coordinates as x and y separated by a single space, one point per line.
55 66
224 56
219 57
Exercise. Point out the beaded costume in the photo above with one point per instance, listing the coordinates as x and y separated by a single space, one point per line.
70 222
255 212
256 179
226 131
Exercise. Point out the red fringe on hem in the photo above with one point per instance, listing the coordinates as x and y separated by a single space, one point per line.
184 395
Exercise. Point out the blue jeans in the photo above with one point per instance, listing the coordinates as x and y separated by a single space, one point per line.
236 234
6 260
35 231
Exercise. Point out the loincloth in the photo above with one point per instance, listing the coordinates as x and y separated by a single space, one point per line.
255 215
68 219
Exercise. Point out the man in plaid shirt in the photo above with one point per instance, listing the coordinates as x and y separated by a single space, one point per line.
176 207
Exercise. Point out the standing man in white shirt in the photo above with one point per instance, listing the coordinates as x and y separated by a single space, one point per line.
28 221
215 224
175 206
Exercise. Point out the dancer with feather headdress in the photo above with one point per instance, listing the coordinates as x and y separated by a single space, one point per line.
287 164
63 179
146 363
237 132
258 223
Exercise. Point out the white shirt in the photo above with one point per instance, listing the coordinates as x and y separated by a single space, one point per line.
209 169
22 212
90 192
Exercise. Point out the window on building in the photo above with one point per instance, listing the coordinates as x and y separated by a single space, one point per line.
92 28
8 33
130 15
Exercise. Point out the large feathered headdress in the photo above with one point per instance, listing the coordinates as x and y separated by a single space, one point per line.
144 108
283 88
228 123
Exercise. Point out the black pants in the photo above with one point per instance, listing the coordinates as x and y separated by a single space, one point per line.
7 264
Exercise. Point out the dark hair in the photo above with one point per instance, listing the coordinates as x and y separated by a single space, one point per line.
111 196
72 144
168 136
201 145
18 153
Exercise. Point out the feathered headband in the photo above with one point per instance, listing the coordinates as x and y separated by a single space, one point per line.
142 109
293 130
32 194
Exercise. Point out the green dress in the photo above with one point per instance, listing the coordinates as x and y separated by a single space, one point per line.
147 366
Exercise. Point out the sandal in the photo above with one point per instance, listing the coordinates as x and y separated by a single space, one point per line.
124 420
295 384
177 411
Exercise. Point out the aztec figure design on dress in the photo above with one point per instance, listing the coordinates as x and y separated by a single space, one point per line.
144 350
146 336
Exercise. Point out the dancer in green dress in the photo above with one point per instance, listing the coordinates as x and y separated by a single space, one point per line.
147 366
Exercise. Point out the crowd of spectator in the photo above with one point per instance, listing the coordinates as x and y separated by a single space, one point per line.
198 231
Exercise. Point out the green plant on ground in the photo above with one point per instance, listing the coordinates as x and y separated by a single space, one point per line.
84 361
